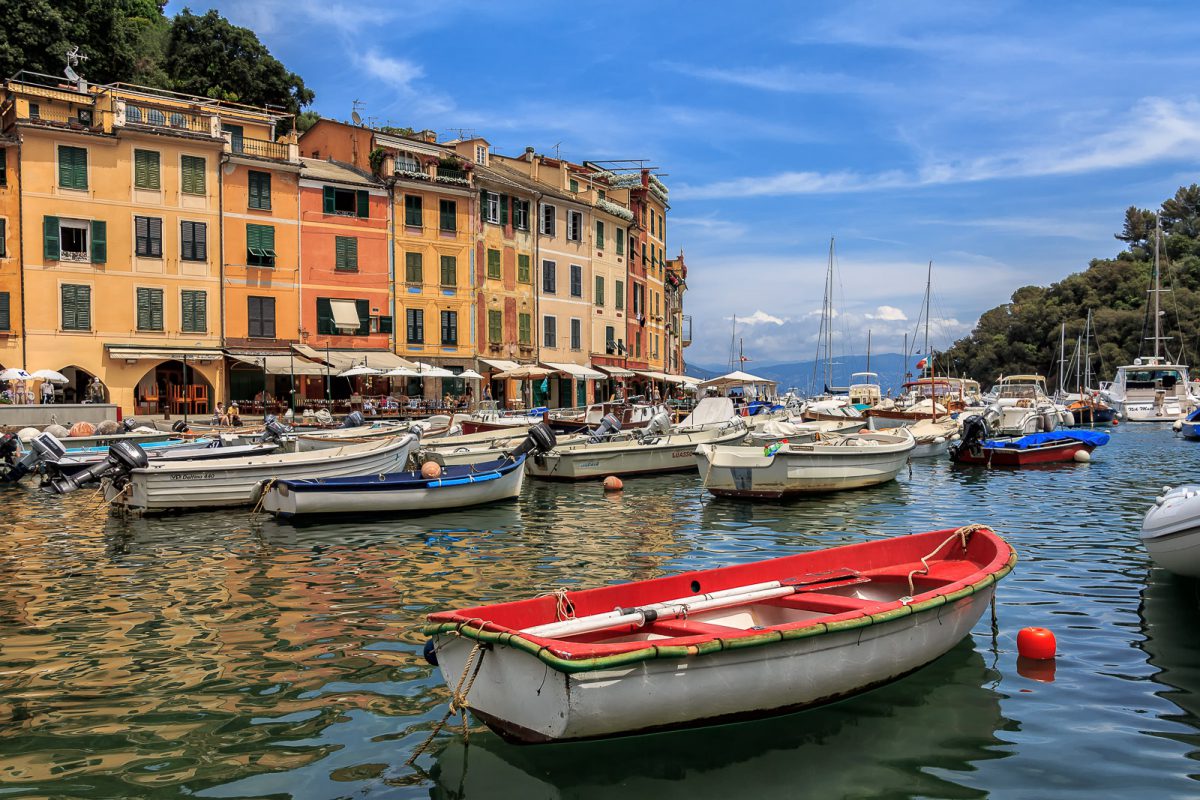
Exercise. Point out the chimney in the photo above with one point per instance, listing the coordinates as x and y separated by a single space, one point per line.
529 154
428 136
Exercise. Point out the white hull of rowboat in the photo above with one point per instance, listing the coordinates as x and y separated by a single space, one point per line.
931 449
1171 531
239 482
671 453
515 692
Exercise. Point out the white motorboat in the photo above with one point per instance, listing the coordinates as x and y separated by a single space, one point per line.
1021 406
641 453
933 438
189 485
828 464
349 434
1149 390
1171 530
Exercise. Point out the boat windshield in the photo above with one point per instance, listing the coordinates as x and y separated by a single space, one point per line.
1152 378
1019 391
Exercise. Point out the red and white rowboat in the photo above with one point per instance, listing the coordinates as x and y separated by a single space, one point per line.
712 646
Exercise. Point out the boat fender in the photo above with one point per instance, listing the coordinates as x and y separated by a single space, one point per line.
430 652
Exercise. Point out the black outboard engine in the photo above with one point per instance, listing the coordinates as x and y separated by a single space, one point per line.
974 433
180 427
273 430
41 449
128 424
541 439
609 427
354 420
123 457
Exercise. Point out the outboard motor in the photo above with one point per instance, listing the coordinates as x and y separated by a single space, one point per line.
123 457
659 424
128 424
180 427
354 419
273 430
42 448
974 433
609 427
540 439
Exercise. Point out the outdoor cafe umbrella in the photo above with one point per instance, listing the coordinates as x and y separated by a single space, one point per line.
51 376
15 374
470 373
527 372
361 369
430 371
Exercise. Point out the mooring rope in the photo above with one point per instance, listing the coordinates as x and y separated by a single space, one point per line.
262 496
563 608
458 700
961 534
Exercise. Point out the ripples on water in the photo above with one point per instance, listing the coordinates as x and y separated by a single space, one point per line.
205 655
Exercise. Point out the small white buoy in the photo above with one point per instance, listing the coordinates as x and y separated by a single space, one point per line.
1083 456
1177 426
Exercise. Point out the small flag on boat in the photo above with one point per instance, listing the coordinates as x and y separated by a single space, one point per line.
923 363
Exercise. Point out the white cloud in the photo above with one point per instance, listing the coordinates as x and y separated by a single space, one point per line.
398 73
777 79
759 317
888 314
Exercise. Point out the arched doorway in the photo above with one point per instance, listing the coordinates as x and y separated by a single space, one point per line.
75 390
174 387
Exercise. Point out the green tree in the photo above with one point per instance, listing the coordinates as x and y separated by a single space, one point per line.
208 55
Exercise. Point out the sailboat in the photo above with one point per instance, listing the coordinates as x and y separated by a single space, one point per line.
1084 403
1151 389
829 402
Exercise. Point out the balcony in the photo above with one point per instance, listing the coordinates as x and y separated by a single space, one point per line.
165 118
81 119
452 175
261 148
685 335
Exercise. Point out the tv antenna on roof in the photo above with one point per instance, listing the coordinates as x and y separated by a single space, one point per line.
73 59
556 147
354 115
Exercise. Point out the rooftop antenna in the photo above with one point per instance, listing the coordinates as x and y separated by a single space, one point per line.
73 59
556 147
355 105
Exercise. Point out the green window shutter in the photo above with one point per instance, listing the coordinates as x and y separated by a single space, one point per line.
76 307
72 167
100 243
156 309
525 328
201 314
147 173
68 307
599 234
619 295
449 271
264 190
503 210
268 239
495 325
187 308
483 205
50 238
330 205
193 180
620 236
339 252
413 268
493 263
523 268
187 241
324 316
364 203
143 309
363 307
599 290
5 316
252 189
195 311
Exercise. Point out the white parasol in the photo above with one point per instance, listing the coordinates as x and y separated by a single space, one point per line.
51 376
362 369
15 374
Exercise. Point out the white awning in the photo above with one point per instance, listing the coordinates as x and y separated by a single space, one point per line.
345 315
431 371
652 375
281 365
139 354
500 364
616 372
342 359
684 379
577 371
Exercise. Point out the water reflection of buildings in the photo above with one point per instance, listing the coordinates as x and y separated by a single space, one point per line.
881 744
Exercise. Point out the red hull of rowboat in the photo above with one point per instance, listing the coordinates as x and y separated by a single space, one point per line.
1056 453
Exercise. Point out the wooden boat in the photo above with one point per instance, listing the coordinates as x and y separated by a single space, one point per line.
580 420
707 647
827 464
187 485
633 455
1171 530
409 491
198 450
1025 451
489 416
431 427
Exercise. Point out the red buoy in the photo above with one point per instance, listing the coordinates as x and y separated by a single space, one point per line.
613 484
1116 422
1036 643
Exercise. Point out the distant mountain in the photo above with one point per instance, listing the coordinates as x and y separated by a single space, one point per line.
799 374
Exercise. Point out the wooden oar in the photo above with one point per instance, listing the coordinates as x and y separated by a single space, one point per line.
668 609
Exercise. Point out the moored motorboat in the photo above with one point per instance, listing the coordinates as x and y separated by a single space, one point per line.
409 491
1052 447
197 450
1171 530
1189 426
705 647
829 463
933 438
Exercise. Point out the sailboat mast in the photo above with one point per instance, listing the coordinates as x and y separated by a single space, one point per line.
829 318
868 349
928 284
1157 287
1062 358
1087 352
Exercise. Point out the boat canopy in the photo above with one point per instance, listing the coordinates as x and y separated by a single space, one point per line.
709 410
737 378
1094 438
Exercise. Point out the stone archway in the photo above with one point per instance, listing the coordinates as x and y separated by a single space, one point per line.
76 388
164 387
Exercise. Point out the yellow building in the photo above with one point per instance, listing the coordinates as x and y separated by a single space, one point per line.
11 334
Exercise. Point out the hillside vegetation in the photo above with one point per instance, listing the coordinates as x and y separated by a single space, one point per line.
1023 335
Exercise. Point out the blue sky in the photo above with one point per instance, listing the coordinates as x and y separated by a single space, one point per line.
1001 140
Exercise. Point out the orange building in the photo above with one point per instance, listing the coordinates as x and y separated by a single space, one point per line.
11 331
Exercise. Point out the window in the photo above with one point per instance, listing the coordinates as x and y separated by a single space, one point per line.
236 133
491 207
521 214
147 173
342 317
610 339
193 177
413 217
549 331
619 295
448 216
259 188
495 325
260 312
72 167
4 168
149 309
574 185
68 240
480 154
523 268
574 226
5 314
576 280
525 329
599 298
549 277
620 237
3 238
449 327
603 194
413 268
346 202
193 241
194 311
76 307
405 163
416 325
35 111
576 333
147 234
546 225
449 271
637 344
493 265
599 235
260 245
345 253
381 324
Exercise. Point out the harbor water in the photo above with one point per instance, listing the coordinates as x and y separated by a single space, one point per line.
216 656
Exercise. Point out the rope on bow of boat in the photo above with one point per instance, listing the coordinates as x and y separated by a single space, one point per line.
962 534
262 496
458 699
563 608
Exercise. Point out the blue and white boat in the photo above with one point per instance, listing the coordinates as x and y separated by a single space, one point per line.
1189 426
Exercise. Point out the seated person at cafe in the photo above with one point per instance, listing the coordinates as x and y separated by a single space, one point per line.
234 417
219 416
